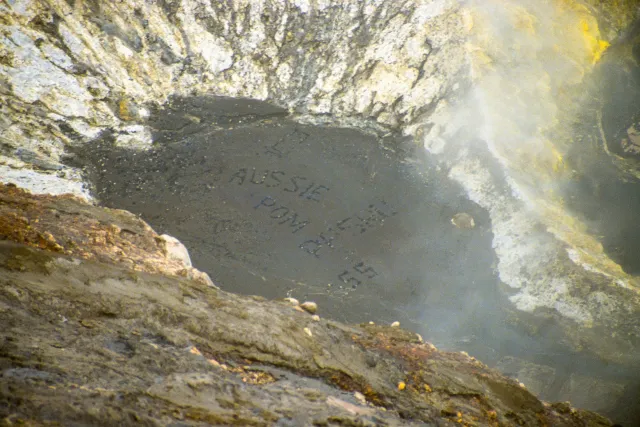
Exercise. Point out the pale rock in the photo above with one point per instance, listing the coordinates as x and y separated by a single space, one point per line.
174 249
43 183
201 276
309 306
84 129
294 302
463 220
135 137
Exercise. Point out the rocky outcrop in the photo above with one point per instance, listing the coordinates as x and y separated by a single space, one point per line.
504 76
90 338
76 69
125 239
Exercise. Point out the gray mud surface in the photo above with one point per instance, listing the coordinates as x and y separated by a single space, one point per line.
359 224
274 208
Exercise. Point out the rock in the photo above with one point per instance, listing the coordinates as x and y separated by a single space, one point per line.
201 276
309 306
353 409
538 378
122 239
315 318
580 389
294 302
463 220
395 324
86 70
174 249
44 183
76 69
145 331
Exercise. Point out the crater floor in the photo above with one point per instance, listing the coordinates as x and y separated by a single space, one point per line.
361 225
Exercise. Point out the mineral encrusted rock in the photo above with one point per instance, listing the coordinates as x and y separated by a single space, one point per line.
74 69
90 337
124 239
70 70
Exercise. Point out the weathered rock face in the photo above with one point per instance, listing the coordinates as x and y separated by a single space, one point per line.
125 240
528 66
74 69
502 77
88 339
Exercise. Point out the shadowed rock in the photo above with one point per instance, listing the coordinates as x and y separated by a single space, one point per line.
91 338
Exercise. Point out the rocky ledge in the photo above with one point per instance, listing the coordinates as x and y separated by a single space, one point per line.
105 323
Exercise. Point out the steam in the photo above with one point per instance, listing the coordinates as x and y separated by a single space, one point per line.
527 60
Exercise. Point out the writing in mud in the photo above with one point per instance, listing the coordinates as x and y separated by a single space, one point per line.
300 185
367 219
373 216
286 144
281 213
357 274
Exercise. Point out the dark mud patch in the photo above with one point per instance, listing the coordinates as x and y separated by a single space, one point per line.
271 207
359 224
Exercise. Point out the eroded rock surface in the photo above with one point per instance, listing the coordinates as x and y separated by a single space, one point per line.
71 70
114 236
87 338
74 69
433 69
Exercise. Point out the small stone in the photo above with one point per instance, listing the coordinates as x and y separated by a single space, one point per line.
315 318
401 385
371 323
427 388
88 324
360 397
308 331
294 302
310 306
420 340
463 220
174 250
395 324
